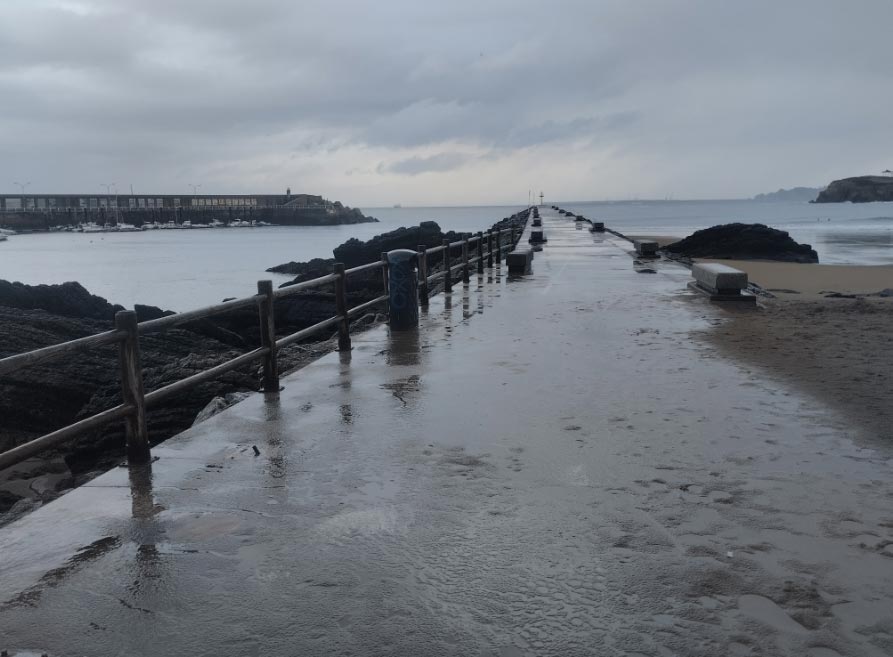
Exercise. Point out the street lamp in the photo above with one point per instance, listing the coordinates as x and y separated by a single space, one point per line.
22 186
108 193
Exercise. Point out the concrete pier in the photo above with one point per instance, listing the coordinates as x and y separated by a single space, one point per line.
553 465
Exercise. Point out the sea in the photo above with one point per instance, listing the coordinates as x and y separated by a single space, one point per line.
185 269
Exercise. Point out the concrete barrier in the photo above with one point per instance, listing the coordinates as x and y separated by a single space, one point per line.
537 222
520 261
645 247
720 282
719 279
537 237
597 227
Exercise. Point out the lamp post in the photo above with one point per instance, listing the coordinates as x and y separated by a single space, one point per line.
108 193
195 189
22 186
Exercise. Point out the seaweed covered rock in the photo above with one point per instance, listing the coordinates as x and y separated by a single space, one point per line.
743 242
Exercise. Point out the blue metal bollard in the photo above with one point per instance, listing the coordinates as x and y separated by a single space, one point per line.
403 301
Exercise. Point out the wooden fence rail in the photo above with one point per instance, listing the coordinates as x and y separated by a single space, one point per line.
127 332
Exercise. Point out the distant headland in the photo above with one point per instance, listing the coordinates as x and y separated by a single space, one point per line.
860 189
36 212
803 194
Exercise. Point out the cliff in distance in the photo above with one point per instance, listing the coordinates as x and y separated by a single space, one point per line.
803 194
861 189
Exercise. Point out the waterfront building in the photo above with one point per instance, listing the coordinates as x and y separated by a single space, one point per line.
65 202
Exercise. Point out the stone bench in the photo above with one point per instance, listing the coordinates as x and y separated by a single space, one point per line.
719 279
519 261
537 237
597 227
646 247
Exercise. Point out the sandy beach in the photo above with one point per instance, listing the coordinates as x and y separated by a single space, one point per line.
813 336
806 281
838 350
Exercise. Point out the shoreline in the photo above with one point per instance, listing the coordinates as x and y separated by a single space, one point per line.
837 350
813 281
805 281
825 329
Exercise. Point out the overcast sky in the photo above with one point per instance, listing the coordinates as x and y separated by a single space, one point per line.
415 102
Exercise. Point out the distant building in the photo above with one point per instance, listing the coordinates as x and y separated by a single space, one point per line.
64 202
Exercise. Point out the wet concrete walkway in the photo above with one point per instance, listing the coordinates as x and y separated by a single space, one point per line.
554 465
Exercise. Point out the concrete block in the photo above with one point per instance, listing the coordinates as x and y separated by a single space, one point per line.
597 227
645 247
520 261
537 237
537 222
719 279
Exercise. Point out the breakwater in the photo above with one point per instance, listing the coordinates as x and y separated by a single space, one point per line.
42 220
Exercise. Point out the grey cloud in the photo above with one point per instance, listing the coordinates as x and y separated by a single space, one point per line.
435 163
90 87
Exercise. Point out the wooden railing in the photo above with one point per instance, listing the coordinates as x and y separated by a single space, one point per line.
135 401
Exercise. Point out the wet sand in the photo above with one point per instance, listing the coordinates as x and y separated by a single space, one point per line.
838 350
790 279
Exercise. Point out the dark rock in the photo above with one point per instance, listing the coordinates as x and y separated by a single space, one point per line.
7 500
743 242
68 300
305 270
861 189
354 252
148 313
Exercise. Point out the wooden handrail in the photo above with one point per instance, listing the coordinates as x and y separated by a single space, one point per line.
29 449
127 332
20 361
170 321
184 384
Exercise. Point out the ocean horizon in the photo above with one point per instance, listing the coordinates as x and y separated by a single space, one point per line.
180 270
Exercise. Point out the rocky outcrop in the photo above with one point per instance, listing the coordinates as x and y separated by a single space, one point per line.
354 252
305 270
743 242
66 300
861 189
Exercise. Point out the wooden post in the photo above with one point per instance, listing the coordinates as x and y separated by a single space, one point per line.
480 254
341 306
465 278
384 271
132 388
423 276
447 275
490 249
512 243
498 247
268 336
